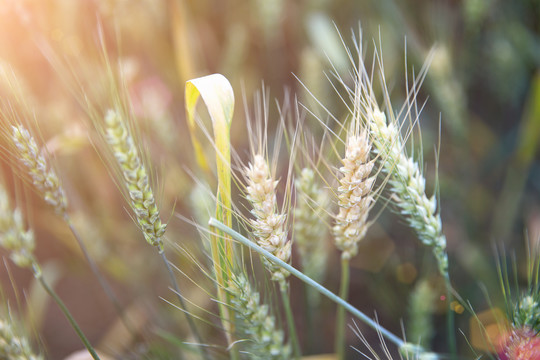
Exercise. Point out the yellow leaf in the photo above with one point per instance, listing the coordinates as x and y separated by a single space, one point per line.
217 94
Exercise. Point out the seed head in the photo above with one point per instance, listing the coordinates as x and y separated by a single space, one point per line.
309 224
527 312
43 177
268 225
135 179
354 194
13 236
408 186
14 346
521 344
256 322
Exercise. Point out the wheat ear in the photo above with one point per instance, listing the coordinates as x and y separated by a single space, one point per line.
136 179
141 196
255 321
409 187
269 230
409 192
20 242
355 195
43 176
268 225
13 236
355 199
309 224
405 348
310 235
13 346
47 183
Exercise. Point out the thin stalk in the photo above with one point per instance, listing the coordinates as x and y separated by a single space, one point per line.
97 273
450 319
189 319
340 318
283 287
321 289
67 314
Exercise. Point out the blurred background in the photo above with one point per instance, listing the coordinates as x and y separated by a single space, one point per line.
483 106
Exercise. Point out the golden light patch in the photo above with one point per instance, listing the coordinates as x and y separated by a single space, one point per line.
486 329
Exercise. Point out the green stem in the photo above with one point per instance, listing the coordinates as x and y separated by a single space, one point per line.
67 314
283 287
340 318
309 311
189 319
324 291
450 318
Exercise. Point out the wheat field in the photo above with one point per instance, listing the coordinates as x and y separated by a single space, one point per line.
269 179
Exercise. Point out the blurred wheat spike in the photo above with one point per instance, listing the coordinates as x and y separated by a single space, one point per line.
309 224
14 346
43 177
13 236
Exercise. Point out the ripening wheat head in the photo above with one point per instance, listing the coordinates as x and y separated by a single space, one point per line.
403 172
34 162
310 223
18 142
355 195
409 187
135 178
256 322
268 224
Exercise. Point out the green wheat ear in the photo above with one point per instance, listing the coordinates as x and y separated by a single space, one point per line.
136 179
43 176
217 94
256 322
